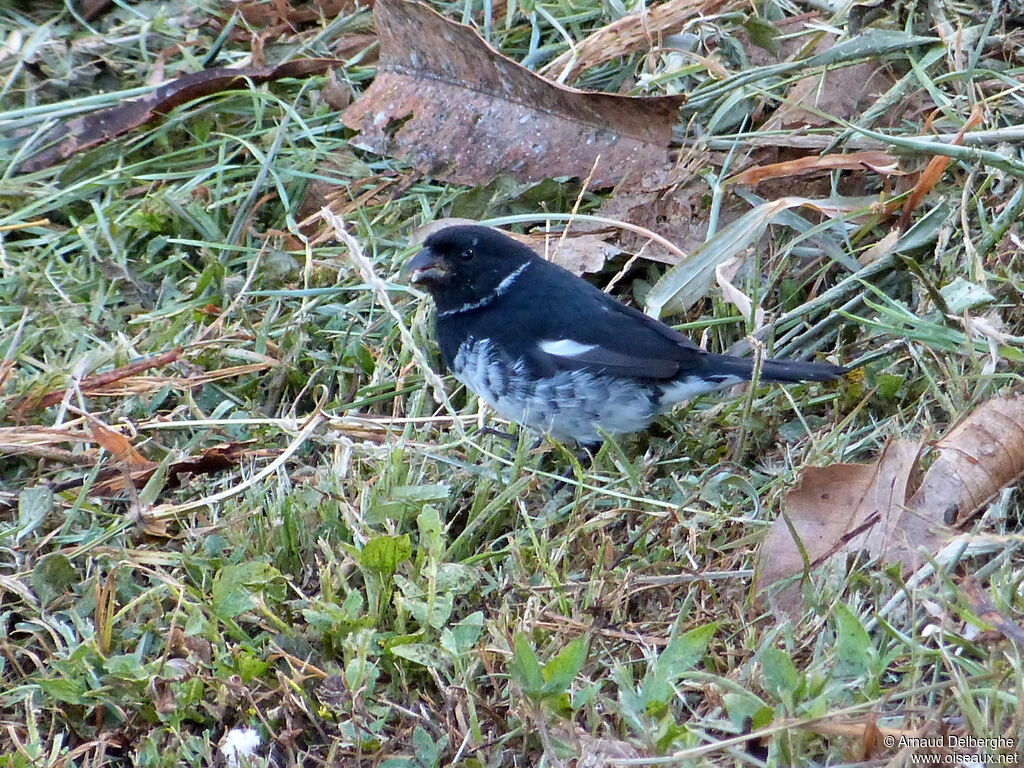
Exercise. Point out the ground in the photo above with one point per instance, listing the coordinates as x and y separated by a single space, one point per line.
280 514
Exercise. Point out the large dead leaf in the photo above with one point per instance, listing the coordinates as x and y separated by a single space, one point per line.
458 110
849 508
96 128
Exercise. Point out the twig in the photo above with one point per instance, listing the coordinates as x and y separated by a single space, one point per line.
90 383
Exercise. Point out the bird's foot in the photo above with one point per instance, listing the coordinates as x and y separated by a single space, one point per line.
584 458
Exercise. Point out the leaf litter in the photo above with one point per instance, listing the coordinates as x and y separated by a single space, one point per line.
668 200
129 466
633 32
685 284
96 128
874 508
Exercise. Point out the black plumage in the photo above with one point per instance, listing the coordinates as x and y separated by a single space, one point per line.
548 350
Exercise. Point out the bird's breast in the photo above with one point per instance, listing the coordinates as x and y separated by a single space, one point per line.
570 405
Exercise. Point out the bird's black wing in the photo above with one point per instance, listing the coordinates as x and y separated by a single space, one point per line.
555 321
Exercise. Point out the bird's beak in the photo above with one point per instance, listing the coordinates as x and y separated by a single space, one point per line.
425 267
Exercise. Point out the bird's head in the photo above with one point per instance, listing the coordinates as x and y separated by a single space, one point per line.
463 265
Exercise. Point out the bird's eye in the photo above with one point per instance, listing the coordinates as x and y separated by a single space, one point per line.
467 255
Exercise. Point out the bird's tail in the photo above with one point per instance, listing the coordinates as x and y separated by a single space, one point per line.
771 370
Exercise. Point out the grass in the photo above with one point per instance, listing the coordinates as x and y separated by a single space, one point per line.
381 582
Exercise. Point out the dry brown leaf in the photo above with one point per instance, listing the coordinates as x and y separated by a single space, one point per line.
979 456
161 693
880 249
880 162
215 459
671 201
832 510
634 32
362 43
39 441
96 128
111 482
987 611
132 288
579 254
593 751
871 742
188 646
118 444
457 110
90 9
837 92
864 729
336 94
846 508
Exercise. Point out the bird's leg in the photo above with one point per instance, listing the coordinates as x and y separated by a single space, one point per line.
512 437
585 454
513 440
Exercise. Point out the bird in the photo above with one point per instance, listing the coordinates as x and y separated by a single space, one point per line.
549 351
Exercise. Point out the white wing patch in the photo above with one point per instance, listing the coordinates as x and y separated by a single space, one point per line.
678 391
566 348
